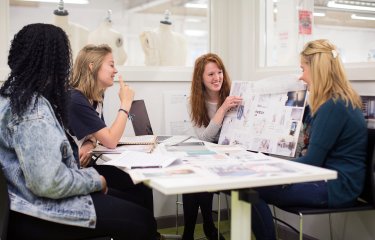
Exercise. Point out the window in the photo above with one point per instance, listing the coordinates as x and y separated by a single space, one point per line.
288 24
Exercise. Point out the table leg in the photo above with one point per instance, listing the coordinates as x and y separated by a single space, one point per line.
241 218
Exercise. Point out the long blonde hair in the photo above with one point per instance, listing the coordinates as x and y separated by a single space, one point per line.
198 114
84 78
327 75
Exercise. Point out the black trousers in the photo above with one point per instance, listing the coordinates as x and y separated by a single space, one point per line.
126 212
191 203
121 185
116 218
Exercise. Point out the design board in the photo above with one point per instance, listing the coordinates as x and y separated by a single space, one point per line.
270 117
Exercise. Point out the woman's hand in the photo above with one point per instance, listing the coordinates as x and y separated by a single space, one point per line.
231 102
85 153
126 95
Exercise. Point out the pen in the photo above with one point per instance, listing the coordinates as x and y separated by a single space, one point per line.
141 167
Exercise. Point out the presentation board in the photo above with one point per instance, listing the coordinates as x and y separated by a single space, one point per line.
270 116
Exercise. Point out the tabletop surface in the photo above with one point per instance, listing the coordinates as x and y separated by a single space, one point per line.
224 168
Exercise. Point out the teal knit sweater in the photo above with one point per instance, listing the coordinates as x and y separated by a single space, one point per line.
338 141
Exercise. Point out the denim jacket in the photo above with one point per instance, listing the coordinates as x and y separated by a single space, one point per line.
43 178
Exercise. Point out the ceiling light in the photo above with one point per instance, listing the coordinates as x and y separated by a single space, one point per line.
359 17
195 5
319 14
333 4
57 1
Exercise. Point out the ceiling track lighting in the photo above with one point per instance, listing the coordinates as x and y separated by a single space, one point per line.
352 5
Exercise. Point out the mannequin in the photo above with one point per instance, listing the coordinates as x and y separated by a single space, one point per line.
163 46
105 34
77 34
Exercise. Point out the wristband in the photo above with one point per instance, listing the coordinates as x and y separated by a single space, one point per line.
123 110
130 116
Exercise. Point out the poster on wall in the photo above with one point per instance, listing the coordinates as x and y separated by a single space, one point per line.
177 119
305 22
270 117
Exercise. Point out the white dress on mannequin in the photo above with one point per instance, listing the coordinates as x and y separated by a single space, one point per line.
77 34
164 47
105 34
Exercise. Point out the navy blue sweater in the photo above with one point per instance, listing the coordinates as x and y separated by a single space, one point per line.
338 141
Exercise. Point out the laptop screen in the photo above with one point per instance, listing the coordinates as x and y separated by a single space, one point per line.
140 120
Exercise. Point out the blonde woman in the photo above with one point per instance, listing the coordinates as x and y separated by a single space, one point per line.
93 72
337 140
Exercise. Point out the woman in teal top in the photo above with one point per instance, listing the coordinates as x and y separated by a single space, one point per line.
337 141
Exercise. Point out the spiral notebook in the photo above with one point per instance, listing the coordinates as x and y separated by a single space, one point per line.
138 140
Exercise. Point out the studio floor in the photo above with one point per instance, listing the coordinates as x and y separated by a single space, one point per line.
224 229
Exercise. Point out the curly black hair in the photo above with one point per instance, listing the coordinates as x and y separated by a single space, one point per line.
40 63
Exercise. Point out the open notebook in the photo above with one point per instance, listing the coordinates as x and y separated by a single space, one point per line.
142 125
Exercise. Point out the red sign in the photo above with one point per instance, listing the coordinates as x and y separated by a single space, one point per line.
305 22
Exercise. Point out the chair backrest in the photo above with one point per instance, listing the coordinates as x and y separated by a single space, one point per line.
368 192
4 206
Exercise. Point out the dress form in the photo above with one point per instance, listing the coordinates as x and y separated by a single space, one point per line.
77 34
105 34
164 47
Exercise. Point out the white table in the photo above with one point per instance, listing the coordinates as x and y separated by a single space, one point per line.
241 210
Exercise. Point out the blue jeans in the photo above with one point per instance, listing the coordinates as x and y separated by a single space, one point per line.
312 194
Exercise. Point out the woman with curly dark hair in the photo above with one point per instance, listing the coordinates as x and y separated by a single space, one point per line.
50 196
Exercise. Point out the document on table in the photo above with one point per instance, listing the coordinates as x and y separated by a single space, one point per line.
139 160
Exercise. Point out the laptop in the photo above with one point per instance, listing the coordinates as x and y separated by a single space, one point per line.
141 121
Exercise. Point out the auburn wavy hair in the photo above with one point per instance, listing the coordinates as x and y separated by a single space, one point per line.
198 111
40 63
328 76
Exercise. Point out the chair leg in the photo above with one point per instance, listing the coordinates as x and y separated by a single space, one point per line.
218 215
300 226
228 208
330 227
177 214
